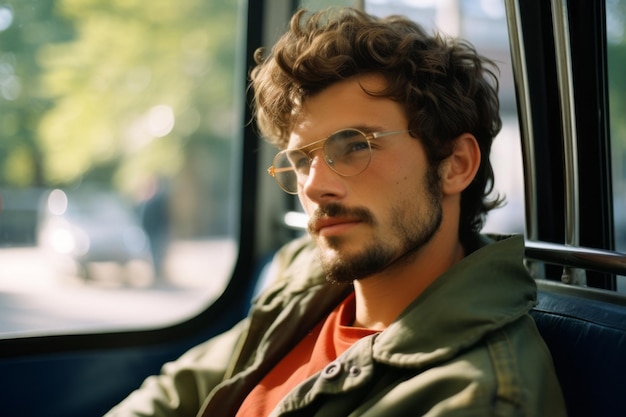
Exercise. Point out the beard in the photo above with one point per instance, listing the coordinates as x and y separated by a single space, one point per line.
412 226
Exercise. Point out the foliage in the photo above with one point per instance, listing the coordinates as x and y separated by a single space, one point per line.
117 86
21 101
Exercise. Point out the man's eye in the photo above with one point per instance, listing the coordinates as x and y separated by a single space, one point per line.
353 146
359 146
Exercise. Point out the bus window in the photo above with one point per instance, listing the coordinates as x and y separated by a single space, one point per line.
616 57
118 126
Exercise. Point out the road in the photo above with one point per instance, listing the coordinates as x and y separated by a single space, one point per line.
35 299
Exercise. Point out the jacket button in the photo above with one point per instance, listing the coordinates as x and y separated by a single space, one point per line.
354 371
331 371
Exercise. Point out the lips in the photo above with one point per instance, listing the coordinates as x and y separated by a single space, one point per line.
335 218
331 223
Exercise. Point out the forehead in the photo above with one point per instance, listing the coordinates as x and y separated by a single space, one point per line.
347 104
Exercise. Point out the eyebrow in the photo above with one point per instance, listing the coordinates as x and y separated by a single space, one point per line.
362 128
368 128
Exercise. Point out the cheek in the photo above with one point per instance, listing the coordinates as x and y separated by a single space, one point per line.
404 167
404 178
306 204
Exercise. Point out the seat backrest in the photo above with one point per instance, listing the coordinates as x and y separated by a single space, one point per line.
587 337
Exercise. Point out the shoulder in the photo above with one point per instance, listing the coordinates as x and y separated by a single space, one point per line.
509 373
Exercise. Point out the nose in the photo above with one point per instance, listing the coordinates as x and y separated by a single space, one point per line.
322 183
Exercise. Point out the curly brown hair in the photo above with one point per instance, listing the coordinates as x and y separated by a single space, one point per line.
446 87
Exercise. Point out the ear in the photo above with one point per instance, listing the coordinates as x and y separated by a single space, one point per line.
459 169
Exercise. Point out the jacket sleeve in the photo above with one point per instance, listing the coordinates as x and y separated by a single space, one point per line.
182 386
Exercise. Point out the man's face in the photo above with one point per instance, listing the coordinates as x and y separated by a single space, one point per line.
365 223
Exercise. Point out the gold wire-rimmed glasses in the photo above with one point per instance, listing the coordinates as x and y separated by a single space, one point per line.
347 152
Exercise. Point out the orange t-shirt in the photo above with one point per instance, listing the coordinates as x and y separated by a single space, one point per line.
329 339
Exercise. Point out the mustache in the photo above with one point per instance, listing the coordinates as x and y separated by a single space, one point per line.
339 210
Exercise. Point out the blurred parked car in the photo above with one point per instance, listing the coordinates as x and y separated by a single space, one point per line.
81 229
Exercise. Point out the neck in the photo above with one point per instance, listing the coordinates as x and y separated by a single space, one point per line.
382 297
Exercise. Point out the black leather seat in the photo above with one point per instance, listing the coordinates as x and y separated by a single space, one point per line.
586 333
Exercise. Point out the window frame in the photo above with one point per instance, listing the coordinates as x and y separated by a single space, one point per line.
55 365
556 219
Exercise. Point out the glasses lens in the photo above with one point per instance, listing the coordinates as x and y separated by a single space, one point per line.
348 152
285 165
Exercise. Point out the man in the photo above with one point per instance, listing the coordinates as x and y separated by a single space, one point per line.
395 306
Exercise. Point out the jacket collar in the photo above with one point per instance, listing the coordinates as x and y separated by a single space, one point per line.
486 290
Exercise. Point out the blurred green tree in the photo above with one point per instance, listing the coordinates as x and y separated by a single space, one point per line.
22 103
139 81
117 92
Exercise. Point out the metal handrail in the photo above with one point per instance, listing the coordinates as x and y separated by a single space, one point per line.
568 124
568 118
600 260
518 61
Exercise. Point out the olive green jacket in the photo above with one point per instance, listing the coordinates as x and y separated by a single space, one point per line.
465 347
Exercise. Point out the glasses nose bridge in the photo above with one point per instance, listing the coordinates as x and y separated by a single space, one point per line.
310 152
